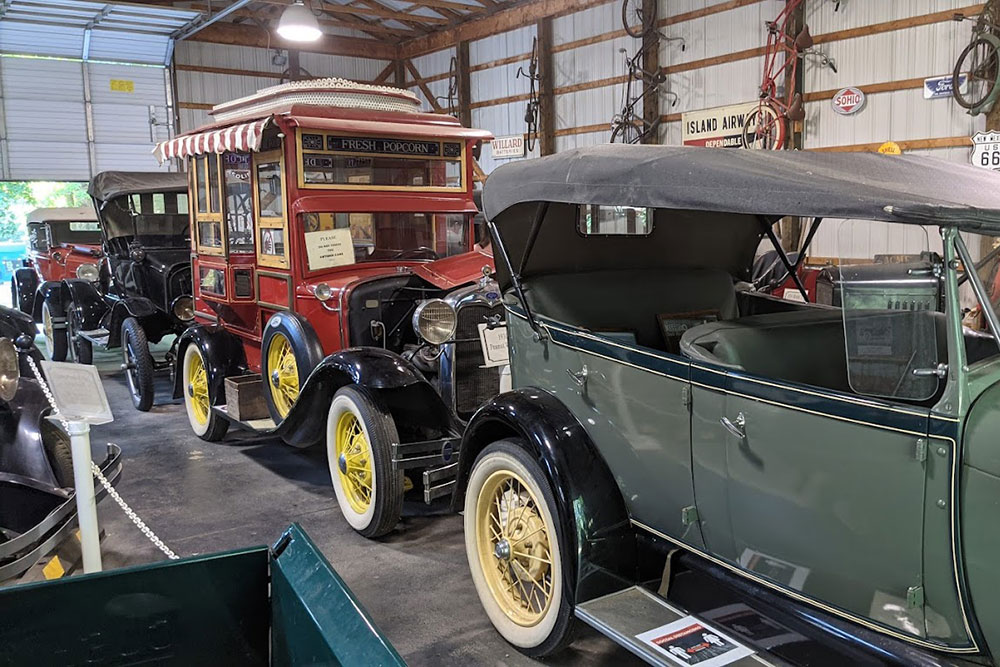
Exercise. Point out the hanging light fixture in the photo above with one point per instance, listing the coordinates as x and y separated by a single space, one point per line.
297 24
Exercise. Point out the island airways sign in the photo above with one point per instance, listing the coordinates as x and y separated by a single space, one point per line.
718 127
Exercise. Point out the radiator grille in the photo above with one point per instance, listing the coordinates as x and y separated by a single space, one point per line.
474 385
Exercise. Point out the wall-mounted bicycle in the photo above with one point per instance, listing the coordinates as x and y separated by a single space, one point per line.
978 66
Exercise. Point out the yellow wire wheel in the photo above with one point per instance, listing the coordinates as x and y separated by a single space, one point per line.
360 436
197 400
283 374
513 549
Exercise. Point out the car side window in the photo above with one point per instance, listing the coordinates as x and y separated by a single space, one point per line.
597 220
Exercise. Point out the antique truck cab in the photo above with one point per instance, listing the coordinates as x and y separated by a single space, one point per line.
828 475
339 292
62 243
142 289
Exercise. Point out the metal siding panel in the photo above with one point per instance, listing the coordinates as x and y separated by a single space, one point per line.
42 79
41 40
29 120
122 46
48 161
148 84
128 157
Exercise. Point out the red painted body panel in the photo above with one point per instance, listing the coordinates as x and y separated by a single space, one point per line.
450 272
808 277
61 261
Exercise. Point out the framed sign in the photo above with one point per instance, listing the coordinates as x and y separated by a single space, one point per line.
936 87
509 146
986 150
848 101
78 392
718 127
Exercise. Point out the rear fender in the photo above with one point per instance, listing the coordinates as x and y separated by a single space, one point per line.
26 284
410 398
141 309
87 300
590 509
51 291
223 355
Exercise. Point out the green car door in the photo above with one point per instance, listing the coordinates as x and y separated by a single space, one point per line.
825 497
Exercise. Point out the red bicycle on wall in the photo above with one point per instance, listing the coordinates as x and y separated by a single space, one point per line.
766 126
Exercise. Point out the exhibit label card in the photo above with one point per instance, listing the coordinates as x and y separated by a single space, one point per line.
689 641
78 392
328 248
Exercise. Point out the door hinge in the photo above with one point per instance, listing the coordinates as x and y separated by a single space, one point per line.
689 515
686 396
920 451
915 597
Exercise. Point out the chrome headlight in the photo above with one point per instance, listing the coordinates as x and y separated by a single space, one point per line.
88 272
183 308
323 292
9 369
435 321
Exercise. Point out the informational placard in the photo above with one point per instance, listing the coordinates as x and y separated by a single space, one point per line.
494 342
509 146
329 248
122 86
718 127
78 392
691 641
936 87
986 150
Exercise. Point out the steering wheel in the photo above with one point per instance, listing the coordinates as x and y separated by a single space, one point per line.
423 252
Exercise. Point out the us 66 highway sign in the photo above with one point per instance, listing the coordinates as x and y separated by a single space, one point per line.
986 150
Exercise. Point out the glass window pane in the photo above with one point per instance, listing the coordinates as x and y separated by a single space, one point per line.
199 180
323 169
159 206
212 281
182 204
597 220
272 242
269 190
209 234
239 207
213 183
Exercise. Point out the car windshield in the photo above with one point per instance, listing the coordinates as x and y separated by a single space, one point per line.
157 219
75 232
337 239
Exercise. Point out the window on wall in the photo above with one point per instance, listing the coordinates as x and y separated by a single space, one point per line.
269 192
208 210
269 195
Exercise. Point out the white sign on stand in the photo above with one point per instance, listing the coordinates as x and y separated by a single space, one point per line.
80 398
78 392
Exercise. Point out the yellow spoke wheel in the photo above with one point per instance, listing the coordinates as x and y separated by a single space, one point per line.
197 400
354 462
513 545
514 548
283 372
197 387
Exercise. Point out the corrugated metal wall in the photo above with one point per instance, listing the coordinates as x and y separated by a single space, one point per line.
200 89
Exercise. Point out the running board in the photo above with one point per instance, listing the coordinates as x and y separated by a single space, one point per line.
255 425
627 614
98 337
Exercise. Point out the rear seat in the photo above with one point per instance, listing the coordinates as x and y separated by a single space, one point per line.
630 301
806 347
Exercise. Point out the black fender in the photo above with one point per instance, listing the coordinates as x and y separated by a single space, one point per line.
409 396
223 355
140 308
51 291
25 284
590 509
88 300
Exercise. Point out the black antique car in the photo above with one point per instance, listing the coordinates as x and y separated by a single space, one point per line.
37 505
142 291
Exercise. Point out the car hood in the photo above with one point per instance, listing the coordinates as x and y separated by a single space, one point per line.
450 272
164 259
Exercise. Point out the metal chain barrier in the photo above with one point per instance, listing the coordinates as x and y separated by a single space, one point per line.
129 512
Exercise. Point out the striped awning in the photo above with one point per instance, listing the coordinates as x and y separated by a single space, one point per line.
243 137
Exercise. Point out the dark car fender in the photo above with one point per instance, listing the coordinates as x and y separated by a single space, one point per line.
590 507
51 291
88 301
411 399
140 308
222 353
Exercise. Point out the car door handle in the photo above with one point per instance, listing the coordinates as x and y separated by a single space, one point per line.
737 426
580 376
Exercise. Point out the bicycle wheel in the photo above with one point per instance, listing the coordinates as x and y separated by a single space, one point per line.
980 63
764 129
633 19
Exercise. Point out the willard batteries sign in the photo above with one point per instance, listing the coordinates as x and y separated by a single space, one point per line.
509 146
718 127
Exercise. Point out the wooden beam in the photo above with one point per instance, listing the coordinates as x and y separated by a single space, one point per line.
906 145
870 89
200 106
370 10
431 99
464 84
899 24
705 11
650 63
546 89
502 19
387 71
237 35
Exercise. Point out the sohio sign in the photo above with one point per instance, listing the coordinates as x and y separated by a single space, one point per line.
848 101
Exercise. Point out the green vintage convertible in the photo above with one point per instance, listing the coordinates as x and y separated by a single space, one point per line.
835 468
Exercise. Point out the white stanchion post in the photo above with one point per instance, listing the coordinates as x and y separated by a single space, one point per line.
86 502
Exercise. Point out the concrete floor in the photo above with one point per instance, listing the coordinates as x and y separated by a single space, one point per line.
202 497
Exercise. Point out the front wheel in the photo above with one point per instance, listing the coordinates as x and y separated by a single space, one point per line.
138 364
204 421
764 129
360 433
980 63
515 549
54 332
